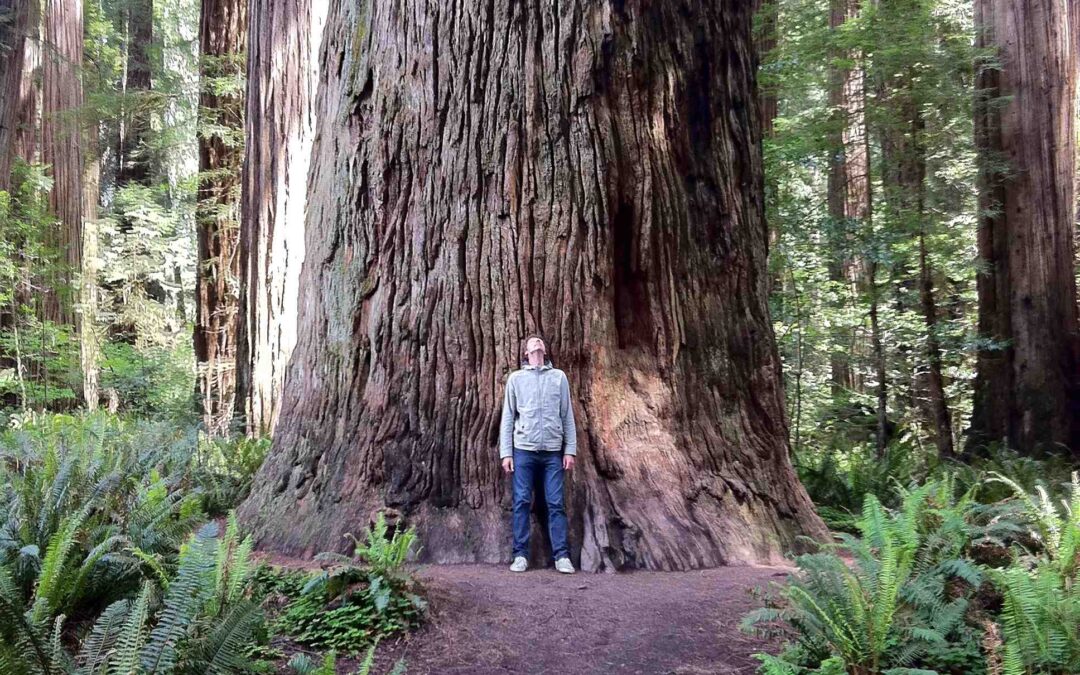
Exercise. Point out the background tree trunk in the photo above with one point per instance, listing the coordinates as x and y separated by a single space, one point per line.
61 150
1026 390
282 76
133 161
848 186
768 12
18 100
593 173
222 40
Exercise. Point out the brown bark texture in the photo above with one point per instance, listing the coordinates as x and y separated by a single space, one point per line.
19 25
222 40
61 150
282 77
848 183
1027 389
133 164
591 171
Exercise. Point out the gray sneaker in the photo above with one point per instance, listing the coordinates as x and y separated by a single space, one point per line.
564 565
519 564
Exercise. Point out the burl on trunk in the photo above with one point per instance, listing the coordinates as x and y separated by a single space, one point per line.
591 171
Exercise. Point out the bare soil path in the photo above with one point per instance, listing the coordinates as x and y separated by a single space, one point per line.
486 620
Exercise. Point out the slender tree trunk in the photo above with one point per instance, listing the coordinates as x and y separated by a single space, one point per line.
282 76
222 40
939 407
1026 391
766 41
848 188
133 162
61 150
593 173
881 434
903 143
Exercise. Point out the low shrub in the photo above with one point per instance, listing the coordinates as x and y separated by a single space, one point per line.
358 599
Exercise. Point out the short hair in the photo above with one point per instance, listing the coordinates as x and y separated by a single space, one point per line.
525 344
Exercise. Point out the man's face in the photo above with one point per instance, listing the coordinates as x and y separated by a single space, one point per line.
534 350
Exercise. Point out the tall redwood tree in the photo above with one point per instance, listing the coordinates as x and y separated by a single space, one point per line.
282 76
222 40
61 150
593 173
1027 388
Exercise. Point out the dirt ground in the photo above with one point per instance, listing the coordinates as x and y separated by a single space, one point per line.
486 619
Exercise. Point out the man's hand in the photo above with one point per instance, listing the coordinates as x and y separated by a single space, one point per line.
567 462
508 464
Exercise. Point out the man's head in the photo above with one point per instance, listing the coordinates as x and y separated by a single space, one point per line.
535 350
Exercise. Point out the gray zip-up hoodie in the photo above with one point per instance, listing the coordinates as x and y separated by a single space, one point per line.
537 414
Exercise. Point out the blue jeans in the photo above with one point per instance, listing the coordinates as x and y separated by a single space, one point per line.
527 467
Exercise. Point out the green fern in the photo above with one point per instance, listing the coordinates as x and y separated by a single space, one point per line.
1040 618
887 608
187 595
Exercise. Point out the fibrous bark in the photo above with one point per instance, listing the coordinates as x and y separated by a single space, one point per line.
282 76
61 150
19 25
592 172
222 40
1027 389
848 182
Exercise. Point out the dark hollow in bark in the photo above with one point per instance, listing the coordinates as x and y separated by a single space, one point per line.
592 172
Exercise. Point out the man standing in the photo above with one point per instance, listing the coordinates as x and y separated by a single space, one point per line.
538 438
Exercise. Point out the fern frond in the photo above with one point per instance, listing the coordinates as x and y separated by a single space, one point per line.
222 651
129 642
187 594
94 654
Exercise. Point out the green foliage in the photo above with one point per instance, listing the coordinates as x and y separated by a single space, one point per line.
915 588
1040 618
360 599
151 381
95 513
41 358
202 624
225 469
898 604
915 58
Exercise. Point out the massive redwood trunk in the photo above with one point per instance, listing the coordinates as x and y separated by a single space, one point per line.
1028 386
594 173
282 76
222 40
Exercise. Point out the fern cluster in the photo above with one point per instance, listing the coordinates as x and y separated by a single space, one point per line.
359 599
885 600
1040 617
199 621
913 592
101 567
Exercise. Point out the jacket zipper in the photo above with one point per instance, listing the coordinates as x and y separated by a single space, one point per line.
539 373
